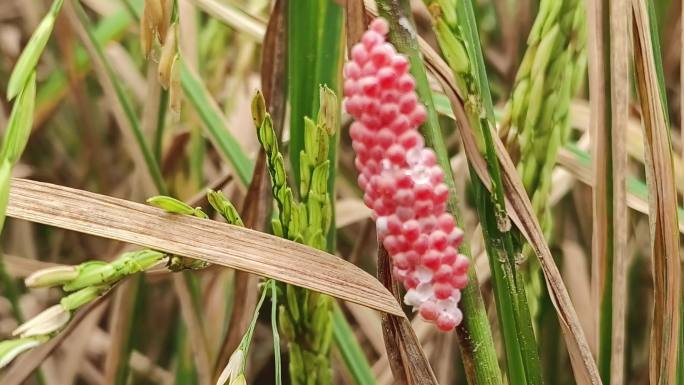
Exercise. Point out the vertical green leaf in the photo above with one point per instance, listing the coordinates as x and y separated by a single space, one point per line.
5 176
198 96
303 37
20 122
315 55
350 350
31 54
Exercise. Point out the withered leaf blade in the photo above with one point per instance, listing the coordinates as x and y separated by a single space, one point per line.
608 56
520 212
662 202
211 241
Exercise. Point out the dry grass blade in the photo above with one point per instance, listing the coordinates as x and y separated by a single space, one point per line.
520 211
662 203
406 357
608 129
619 72
350 211
214 242
600 139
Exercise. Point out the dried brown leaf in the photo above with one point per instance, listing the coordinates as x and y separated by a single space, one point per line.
214 242
662 203
520 212
568 161
609 131
273 64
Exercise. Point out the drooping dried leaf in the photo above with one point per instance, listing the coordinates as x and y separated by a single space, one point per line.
582 172
214 242
520 212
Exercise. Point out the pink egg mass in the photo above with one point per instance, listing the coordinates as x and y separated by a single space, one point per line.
402 182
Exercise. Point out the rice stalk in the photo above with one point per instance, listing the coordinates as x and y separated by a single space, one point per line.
521 214
84 283
234 372
536 120
160 25
22 85
306 317
458 39
206 107
481 362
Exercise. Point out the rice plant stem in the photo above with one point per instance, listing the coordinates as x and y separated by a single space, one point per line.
460 38
502 238
475 338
